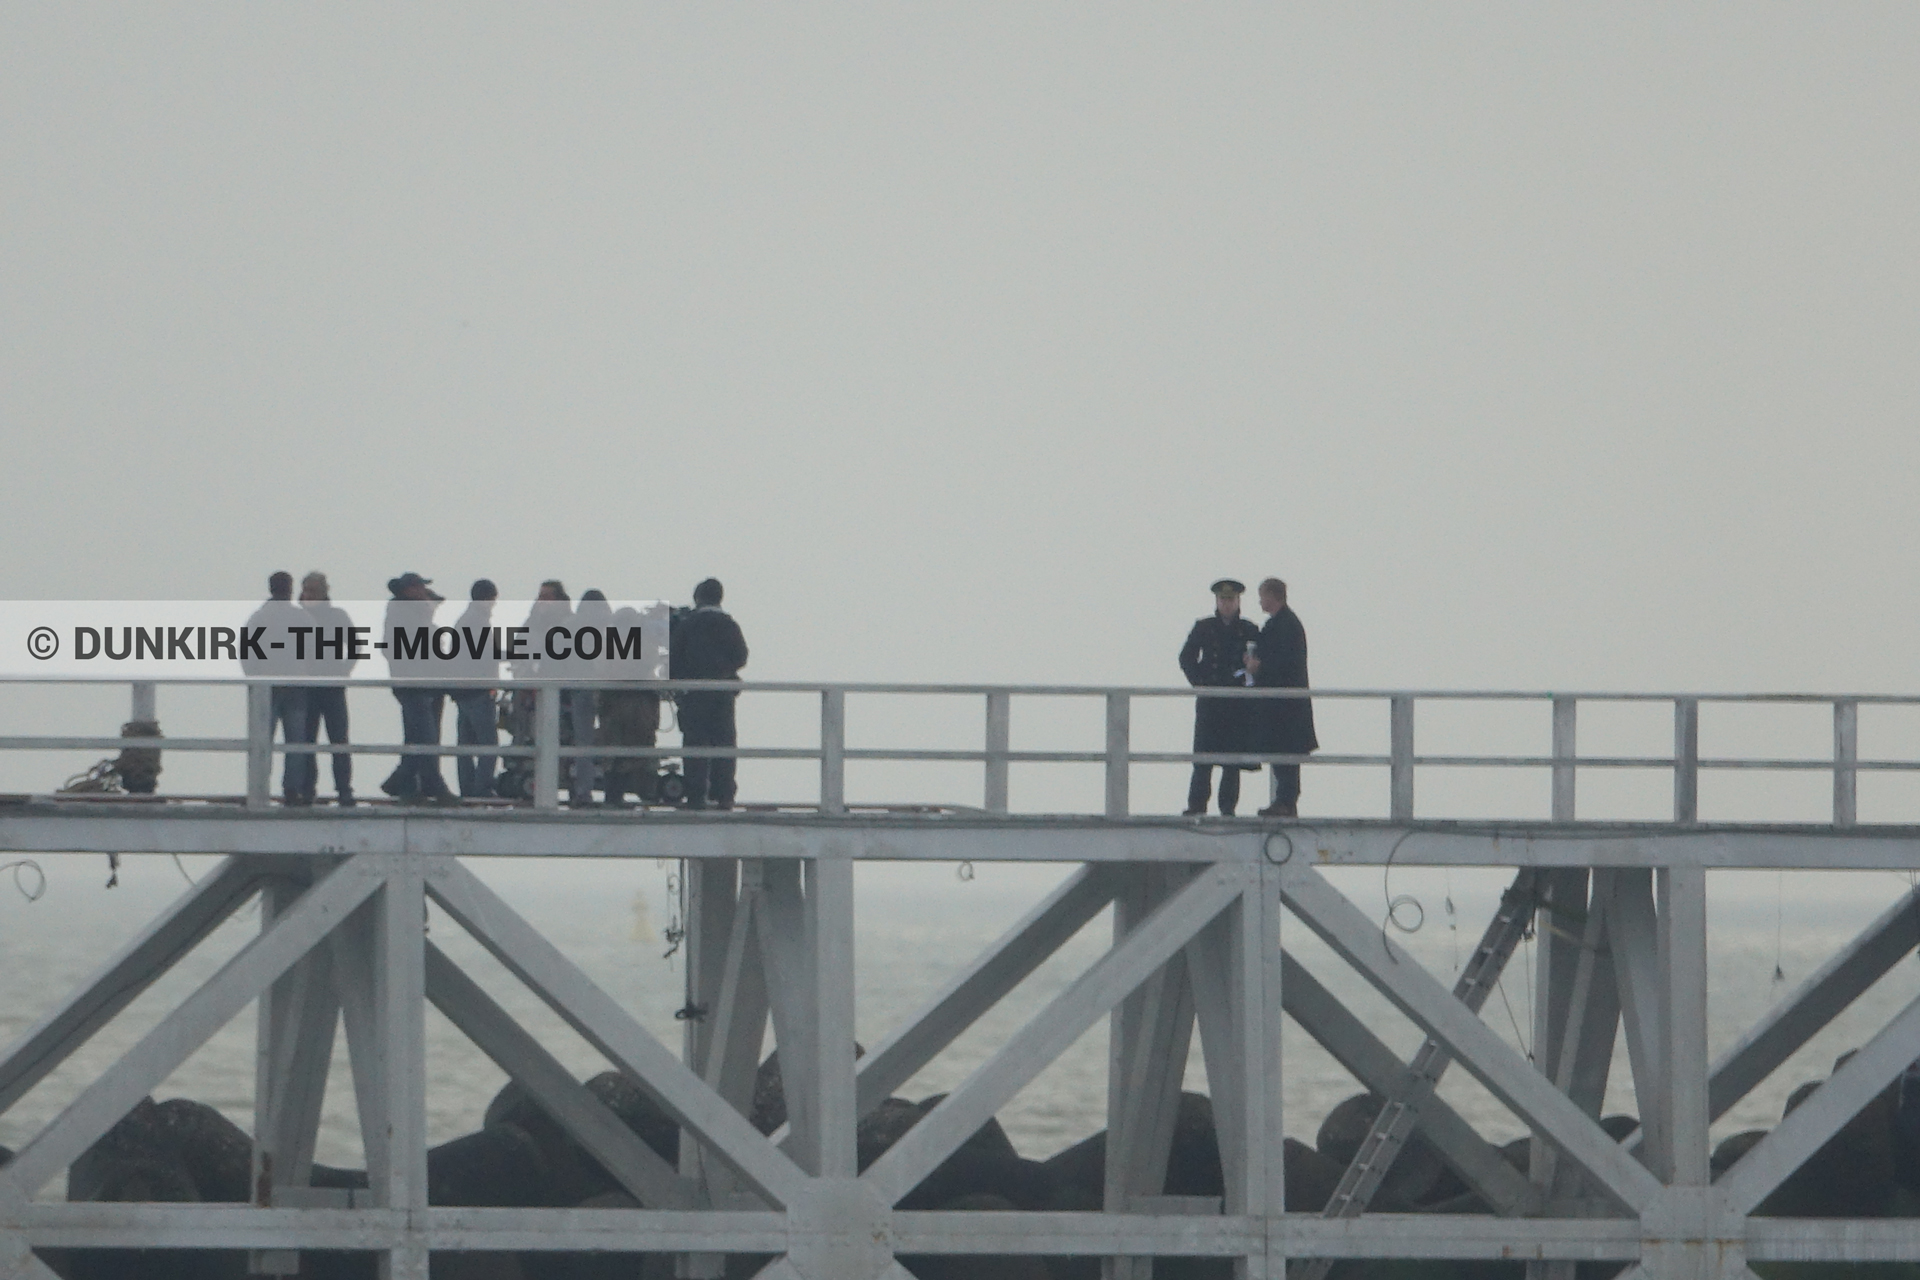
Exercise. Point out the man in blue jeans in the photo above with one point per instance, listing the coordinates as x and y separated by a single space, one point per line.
327 704
417 777
476 719
273 618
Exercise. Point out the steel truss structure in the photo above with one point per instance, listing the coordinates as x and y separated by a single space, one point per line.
1198 946
1201 917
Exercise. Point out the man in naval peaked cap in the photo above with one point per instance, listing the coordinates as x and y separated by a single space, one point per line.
1215 656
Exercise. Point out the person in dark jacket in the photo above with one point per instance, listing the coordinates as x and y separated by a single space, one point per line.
707 645
1282 726
476 720
1215 655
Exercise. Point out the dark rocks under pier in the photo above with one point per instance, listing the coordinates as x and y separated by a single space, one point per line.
183 1151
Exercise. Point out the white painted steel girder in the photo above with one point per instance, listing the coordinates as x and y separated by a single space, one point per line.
118 828
1196 953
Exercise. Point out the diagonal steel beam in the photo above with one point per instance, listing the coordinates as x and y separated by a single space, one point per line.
1217 988
1054 1029
1400 1111
1354 1046
18 1262
780 922
1808 1126
1814 1003
353 945
252 969
613 1031
1492 1061
1633 926
995 972
587 1120
298 1016
117 983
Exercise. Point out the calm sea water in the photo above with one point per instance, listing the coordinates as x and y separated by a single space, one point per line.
915 927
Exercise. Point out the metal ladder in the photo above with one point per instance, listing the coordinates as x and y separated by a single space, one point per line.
1397 1119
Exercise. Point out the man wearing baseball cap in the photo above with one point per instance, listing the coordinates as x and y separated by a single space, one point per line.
1215 656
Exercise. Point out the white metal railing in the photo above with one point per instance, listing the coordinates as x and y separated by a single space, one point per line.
996 754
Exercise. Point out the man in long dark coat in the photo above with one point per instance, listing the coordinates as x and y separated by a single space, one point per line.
1215 655
707 645
1282 726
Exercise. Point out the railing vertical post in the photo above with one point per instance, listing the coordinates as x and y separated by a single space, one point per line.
1846 761
1686 759
1119 748
259 745
1565 709
1400 756
546 747
833 751
145 705
999 737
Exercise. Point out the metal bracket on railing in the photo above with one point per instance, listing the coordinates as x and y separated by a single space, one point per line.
1400 756
833 751
546 748
1119 740
999 739
1846 761
1686 759
259 746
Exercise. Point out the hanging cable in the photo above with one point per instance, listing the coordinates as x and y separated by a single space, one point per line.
21 869
1396 905
676 930
1500 985
1526 940
1453 922
1779 923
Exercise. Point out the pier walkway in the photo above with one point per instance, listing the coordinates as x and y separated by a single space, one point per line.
1201 912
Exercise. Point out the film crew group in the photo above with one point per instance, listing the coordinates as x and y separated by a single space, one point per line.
607 717
1225 650
706 644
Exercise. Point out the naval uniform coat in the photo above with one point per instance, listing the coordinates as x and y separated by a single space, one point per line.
1283 726
1216 649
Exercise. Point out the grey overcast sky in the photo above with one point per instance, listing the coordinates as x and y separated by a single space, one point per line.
1536 345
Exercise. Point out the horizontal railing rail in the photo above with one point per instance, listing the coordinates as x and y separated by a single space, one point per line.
996 753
